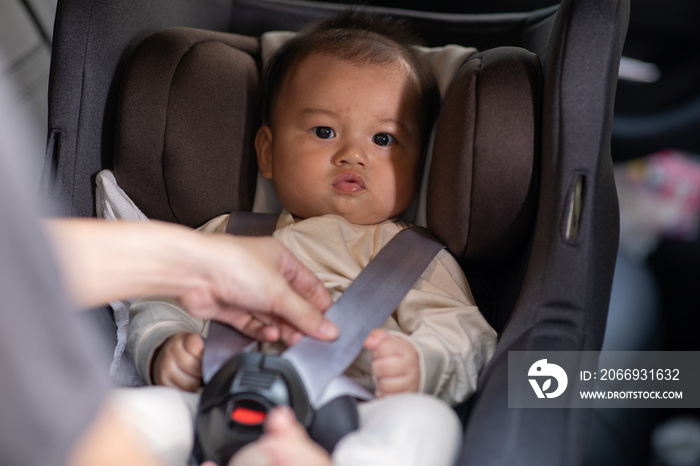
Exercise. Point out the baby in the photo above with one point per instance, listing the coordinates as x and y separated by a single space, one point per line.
347 112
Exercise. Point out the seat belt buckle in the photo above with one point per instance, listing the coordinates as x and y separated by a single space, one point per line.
236 401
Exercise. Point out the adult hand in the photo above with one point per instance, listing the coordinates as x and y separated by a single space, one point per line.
270 295
253 284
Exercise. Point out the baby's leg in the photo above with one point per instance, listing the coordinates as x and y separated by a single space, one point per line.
163 417
403 430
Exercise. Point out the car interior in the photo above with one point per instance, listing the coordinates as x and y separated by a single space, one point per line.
159 101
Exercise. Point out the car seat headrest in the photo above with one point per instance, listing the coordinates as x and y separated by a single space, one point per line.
189 109
483 186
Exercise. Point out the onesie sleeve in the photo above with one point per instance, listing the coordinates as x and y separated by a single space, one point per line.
152 321
453 339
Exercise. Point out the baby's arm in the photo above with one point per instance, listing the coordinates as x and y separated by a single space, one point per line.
178 362
154 321
395 363
453 340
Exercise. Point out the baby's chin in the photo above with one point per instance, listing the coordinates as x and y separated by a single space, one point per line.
354 219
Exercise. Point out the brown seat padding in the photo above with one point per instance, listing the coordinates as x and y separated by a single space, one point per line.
483 185
188 109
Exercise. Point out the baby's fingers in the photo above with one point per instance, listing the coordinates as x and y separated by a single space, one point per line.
388 367
375 338
392 385
193 343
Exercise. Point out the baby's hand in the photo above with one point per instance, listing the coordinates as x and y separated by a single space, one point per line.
178 362
395 363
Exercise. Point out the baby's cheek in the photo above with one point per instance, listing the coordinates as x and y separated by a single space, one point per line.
404 190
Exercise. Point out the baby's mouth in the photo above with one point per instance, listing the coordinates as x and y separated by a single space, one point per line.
349 182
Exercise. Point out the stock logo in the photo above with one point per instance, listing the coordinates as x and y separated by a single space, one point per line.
544 371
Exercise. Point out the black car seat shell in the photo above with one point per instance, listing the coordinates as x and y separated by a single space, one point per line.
543 277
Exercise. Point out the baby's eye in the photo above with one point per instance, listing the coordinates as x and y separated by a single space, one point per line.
383 139
323 132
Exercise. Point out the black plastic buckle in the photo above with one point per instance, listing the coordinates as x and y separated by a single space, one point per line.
235 403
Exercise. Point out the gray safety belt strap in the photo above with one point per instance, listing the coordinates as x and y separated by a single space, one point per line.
223 343
364 306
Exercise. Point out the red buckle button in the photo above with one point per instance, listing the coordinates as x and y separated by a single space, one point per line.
247 416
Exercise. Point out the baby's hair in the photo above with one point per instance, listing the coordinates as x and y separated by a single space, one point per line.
357 37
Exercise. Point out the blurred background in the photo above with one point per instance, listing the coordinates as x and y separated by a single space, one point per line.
26 27
655 303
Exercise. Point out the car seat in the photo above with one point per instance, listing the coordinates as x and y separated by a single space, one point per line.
520 188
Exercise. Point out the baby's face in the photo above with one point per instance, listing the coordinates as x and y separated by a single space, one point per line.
344 139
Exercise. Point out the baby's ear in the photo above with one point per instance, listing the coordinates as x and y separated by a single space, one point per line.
263 147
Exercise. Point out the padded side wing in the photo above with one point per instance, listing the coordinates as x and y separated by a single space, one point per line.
187 114
483 188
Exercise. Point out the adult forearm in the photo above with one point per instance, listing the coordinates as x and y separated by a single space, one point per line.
103 261
254 284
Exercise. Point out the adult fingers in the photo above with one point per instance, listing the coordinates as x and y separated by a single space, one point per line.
303 316
272 287
301 299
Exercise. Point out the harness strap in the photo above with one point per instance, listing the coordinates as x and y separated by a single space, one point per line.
224 342
364 306
251 224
